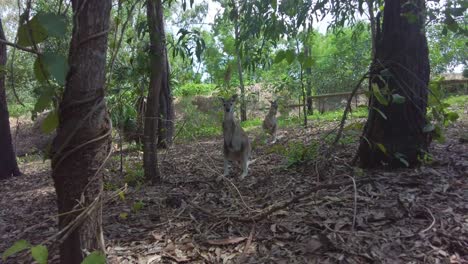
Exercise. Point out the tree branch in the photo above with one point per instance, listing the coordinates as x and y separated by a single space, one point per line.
20 47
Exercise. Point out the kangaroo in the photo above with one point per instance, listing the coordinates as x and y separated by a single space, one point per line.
236 142
270 123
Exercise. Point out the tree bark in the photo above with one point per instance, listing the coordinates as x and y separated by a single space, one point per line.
370 8
243 109
83 138
8 164
401 60
308 71
166 125
158 62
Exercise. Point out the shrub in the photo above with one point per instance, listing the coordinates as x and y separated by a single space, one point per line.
190 89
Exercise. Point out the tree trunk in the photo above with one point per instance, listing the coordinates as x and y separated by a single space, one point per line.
308 71
243 109
166 125
396 138
83 138
158 62
8 165
370 8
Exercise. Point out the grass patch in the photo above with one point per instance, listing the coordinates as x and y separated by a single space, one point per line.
190 89
17 110
457 101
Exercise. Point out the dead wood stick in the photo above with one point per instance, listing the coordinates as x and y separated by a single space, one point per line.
347 109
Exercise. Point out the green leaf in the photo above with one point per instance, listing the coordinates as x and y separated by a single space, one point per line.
95 257
381 147
438 134
398 99
40 254
43 102
40 70
367 140
380 112
17 247
451 23
123 216
122 195
308 62
412 18
290 55
452 116
273 4
386 73
57 66
428 128
55 25
50 123
402 158
279 56
31 33
376 91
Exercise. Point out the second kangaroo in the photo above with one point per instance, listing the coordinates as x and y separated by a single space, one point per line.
236 142
270 124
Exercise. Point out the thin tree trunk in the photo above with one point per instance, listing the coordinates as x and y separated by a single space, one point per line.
402 59
8 164
166 125
158 62
243 109
370 6
303 90
308 72
83 138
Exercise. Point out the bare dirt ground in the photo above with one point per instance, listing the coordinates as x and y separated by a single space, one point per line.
275 215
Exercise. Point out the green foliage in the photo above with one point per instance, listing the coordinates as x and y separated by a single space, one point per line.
18 246
439 115
191 89
40 254
96 257
295 152
50 122
198 124
378 95
137 206
40 27
17 110
135 176
446 51
51 64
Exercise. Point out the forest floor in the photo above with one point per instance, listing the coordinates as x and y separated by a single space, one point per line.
278 214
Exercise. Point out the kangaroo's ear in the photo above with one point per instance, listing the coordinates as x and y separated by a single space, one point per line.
234 97
222 99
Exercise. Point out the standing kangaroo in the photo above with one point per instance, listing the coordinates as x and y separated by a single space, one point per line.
270 124
236 142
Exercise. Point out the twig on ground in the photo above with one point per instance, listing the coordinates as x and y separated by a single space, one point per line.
355 202
246 247
431 225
